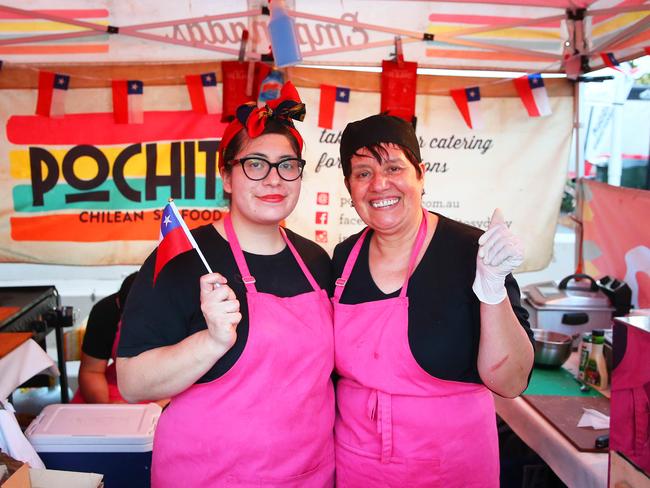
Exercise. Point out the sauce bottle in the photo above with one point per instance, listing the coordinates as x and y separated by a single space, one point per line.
585 349
596 369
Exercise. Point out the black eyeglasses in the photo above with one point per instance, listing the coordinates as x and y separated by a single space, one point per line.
257 168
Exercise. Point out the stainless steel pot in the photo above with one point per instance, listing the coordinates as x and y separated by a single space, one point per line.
568 308
552 349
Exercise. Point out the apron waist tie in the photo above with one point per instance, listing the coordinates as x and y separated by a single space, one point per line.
380 410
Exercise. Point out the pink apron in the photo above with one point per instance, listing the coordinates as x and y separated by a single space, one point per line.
630 406
397 425
114 395
269 420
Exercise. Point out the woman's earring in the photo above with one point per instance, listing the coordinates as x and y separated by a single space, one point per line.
351 203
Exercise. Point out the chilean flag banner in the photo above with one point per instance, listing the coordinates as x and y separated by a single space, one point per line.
533 95
52 89
610 61
175 239
468 102
332 98
127 101
203 93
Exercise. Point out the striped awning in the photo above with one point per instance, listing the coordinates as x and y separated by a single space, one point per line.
525 35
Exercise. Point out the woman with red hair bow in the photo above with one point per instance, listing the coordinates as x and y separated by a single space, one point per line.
245 353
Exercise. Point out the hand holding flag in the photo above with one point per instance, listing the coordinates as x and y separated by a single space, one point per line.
175 239
220 309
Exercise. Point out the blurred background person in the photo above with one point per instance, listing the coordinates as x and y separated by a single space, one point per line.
97 377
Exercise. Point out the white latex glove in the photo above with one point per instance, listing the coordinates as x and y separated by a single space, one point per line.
500 252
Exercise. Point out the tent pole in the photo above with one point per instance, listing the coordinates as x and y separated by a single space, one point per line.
579 165
579 174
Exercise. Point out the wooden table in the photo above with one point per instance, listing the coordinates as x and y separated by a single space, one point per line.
575 468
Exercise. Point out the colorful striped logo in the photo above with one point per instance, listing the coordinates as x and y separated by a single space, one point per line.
83 178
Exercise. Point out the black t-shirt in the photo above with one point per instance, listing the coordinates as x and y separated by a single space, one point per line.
101 328
168 312
444 313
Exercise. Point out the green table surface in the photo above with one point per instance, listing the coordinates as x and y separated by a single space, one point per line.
556 381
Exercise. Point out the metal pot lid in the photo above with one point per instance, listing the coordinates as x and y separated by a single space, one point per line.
547 295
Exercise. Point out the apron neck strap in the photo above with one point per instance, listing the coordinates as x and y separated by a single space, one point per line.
339 285
236 249
246 277
300 261
354 254
419 242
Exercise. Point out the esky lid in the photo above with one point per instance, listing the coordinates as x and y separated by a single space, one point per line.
119 427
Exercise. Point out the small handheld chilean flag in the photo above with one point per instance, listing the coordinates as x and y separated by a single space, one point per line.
332 98
468 102
52 89
533 95
175 239
203 93
127 101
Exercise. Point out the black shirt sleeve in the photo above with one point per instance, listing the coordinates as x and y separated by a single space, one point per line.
101 328
169 311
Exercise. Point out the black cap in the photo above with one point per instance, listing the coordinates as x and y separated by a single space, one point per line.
378 129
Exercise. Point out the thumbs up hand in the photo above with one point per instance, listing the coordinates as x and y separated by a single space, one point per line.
500 252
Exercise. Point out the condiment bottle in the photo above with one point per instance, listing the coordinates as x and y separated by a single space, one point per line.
271 87
596 370
585 349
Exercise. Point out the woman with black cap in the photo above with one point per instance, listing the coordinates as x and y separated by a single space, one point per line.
427 324
246 353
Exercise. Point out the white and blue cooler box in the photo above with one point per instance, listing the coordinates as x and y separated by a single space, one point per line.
115 440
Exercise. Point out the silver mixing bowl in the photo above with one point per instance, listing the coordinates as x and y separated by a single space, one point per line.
552 349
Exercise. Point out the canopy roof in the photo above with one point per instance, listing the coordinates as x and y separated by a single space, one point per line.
524 35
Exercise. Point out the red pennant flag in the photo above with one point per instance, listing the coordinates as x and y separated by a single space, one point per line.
52 89
332 98
533 94
468 102
610 61
127 101
203 93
